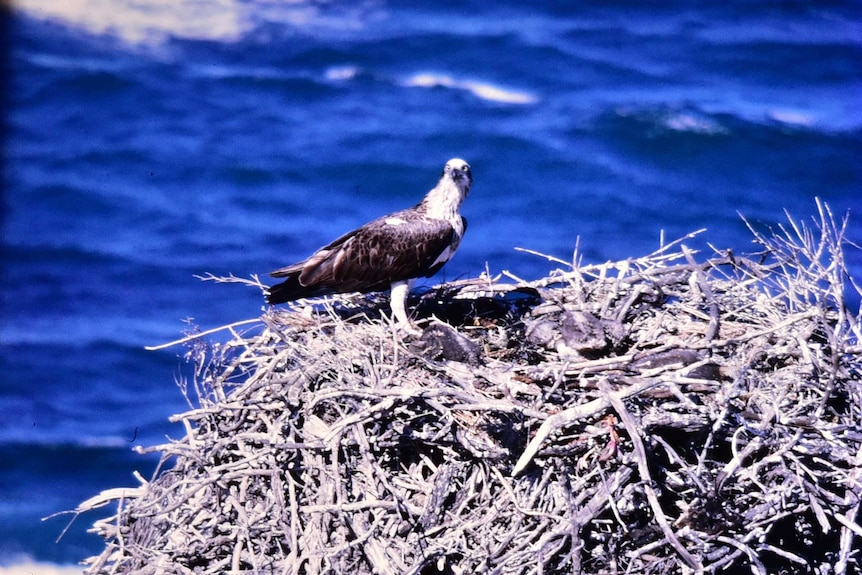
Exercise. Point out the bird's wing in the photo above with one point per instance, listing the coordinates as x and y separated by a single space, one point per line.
296 268
393 248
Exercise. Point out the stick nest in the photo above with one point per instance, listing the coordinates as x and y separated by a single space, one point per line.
655 415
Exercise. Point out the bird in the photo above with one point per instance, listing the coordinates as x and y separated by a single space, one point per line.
390 252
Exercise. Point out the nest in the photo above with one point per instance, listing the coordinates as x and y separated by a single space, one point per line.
656 415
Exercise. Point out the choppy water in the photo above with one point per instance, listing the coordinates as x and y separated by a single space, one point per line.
145 145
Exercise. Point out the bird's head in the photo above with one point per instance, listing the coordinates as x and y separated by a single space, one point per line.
445 199
459 172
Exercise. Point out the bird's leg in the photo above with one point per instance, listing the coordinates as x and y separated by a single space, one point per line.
398 301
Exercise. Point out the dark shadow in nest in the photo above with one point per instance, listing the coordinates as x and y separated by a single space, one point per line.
504 308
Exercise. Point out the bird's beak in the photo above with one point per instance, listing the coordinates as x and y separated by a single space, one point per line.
462 175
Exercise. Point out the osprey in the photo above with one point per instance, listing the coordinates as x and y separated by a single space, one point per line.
387 253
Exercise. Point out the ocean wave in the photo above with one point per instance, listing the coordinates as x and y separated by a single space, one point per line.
674 120
38 446
150 22
686 122
21 566
341 73
154 22
720 121
797 118
481 90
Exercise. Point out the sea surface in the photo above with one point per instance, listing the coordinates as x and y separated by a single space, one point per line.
145 144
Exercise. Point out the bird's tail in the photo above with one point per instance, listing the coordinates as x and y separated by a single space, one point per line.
290 290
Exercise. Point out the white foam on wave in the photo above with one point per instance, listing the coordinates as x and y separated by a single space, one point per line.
686 122
481 90
29 567
145 22
154 21
676 120
341 73
792 117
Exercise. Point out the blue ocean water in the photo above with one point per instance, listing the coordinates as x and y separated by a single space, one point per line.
144 145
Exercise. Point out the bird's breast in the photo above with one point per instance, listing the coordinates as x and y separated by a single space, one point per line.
445 255
457 223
